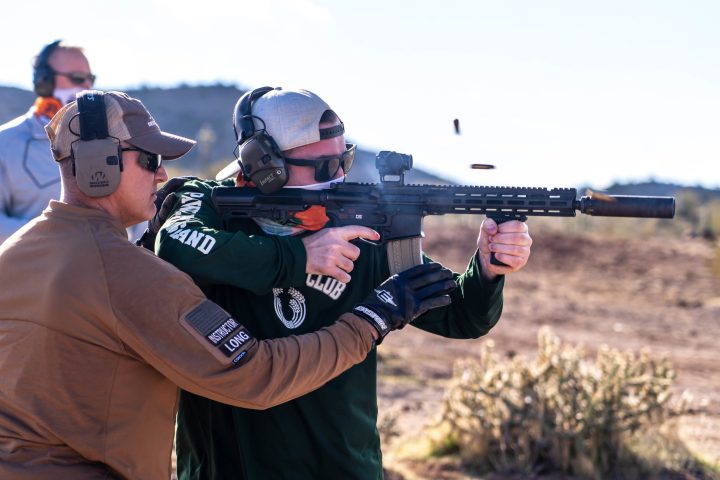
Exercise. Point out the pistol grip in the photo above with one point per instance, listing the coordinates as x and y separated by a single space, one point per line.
495 261
502 219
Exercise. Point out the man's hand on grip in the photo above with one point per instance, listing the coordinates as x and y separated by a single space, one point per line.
405 296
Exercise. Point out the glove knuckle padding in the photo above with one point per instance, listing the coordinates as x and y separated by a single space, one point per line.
430 278
430 291
434 302
420 270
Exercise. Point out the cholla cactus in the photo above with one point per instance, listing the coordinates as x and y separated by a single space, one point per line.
561 409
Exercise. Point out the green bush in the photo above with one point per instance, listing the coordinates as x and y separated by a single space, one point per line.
560 412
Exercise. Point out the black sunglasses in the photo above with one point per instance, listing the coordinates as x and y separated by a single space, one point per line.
78 78
150 161
327 167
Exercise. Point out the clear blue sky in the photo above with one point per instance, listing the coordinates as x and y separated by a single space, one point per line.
554 93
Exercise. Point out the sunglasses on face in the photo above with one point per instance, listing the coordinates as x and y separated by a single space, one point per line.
147 160
78 78
327 167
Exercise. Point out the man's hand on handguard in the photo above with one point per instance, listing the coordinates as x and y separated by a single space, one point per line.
330 253
510 241
405 296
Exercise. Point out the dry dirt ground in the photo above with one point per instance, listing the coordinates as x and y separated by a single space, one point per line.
627 293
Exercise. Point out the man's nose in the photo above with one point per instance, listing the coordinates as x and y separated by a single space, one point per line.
161 174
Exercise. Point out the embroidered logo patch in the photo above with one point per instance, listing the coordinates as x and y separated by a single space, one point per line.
222 333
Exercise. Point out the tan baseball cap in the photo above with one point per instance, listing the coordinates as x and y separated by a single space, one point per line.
128 120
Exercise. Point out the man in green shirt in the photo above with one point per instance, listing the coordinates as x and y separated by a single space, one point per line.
292 278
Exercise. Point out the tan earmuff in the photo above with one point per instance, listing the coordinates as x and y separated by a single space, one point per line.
96 157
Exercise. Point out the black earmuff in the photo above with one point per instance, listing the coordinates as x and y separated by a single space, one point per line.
43 73
96 156
259 156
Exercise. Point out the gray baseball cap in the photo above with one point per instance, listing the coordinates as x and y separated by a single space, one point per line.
291 118
128 120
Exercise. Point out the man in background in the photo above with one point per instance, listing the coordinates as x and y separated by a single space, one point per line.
29 178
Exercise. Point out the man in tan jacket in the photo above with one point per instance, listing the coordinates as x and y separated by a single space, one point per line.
96 335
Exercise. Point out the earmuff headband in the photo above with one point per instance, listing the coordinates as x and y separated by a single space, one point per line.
93 120
43 73
243 119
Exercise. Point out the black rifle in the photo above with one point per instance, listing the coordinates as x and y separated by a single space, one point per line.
396 210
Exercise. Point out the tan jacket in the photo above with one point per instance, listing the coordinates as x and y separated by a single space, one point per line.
96 335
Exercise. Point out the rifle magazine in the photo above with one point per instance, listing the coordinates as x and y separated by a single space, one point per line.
403 254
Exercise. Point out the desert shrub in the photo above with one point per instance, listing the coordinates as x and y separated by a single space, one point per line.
711 220
701 218
559 412
687 207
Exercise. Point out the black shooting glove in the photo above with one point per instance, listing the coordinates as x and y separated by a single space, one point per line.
164 202
405 296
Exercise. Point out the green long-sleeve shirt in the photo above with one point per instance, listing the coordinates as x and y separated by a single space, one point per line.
261 280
